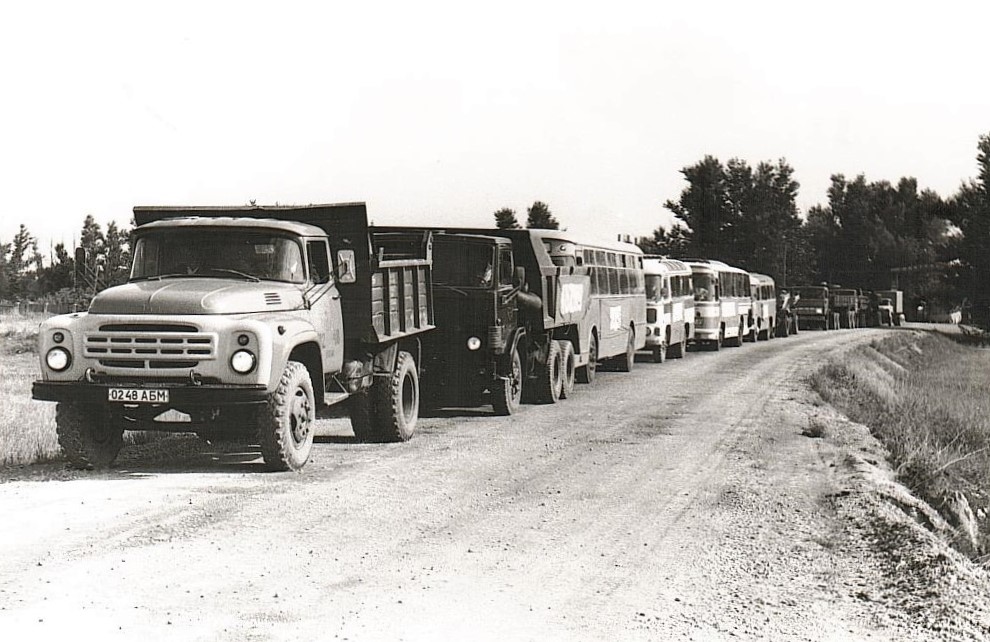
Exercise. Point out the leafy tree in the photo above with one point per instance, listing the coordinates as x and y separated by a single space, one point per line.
704 207
538 216
4 270
970 212
23 257
58 275
505 219
117 254
674 243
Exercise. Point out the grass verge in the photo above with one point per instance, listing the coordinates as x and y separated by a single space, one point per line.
925 399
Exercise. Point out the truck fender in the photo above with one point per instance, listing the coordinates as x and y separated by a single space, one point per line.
518 337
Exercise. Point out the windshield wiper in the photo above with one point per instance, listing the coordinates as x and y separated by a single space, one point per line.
245 275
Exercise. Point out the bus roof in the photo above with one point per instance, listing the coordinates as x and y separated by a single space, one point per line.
661 265
711 264
761 279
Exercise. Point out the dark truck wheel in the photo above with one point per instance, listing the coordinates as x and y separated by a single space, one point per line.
362 414
548 379
507 390
567 373
586 374
285 426
87 438
396 400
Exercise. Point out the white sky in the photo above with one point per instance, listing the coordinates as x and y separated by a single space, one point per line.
442 112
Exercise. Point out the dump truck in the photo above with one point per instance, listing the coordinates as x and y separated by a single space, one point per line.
814 307
240 323
891 306
845 303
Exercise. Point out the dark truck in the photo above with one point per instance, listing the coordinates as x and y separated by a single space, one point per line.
509 316
845 303
814 307
245 320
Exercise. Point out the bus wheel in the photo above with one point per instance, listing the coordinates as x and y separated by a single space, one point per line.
717 342
586 374
677 350
627 360
507 391
549 379
567 368
737 341
660 352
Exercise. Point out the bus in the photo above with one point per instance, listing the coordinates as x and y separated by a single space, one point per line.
669 307
763 323
722 303
615 328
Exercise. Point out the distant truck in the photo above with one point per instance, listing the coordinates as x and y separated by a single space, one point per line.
845 303
891 306
246 320
814 307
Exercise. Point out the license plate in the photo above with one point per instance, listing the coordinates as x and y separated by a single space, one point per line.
137 395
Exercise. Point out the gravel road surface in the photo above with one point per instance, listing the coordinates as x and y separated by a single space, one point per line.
681 501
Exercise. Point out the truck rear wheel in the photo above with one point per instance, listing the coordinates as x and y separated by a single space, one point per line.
549 380
586 373
86 438
567 373
507 390
396 400
286 425
362 414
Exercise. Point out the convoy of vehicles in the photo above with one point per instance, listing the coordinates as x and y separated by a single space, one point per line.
240 323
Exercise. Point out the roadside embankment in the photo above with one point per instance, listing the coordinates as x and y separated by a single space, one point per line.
924 397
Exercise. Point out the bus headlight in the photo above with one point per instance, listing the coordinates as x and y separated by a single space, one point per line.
243 361
58 359
819 311
474 343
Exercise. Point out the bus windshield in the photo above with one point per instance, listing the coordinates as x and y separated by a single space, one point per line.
251 254
464 269
654 287
704 287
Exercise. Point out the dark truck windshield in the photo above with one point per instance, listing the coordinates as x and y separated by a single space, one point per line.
467 265
221 252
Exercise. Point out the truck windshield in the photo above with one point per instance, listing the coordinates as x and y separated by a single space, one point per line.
704 287
463 266
810 293
218 253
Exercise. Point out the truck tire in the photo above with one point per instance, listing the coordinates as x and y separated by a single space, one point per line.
396 400
567 369
287 423
87 439
507 390
627 361
549 380
586 373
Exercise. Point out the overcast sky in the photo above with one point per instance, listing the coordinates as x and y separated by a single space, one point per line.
442 112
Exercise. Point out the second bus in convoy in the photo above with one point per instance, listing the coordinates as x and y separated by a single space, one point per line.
764 319
669 307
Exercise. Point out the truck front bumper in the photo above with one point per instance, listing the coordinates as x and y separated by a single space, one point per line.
180 395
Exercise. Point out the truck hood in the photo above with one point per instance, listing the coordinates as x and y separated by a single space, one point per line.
197 296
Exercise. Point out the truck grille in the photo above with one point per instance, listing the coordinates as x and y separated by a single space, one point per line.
149 346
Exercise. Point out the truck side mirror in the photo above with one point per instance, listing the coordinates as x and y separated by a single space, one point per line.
520 276
346 266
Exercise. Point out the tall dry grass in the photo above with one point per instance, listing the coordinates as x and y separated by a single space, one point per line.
926 399
27 427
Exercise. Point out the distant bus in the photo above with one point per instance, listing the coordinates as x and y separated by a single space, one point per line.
764 318
669 307
722 303
616 323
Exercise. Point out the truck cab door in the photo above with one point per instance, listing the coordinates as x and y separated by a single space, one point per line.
507 310
323 300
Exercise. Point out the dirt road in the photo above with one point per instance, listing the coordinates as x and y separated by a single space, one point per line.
678 502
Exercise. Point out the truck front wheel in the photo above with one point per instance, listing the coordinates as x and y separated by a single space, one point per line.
86 438
286 425
507 390
397 400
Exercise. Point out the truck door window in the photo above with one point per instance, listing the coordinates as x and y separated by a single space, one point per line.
319 261
506 270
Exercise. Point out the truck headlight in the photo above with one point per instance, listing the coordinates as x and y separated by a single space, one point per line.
474 343
243 361
58 359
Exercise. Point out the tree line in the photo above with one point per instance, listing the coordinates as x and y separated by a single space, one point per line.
868 234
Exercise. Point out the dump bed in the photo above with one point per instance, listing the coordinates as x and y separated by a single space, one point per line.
391 297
